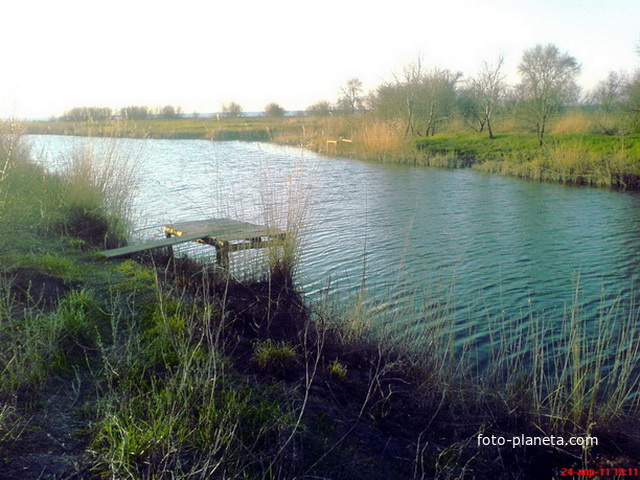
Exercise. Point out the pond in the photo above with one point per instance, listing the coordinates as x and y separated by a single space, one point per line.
406 241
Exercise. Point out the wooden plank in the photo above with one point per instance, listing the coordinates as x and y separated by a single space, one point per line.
223 229
165 242
247 245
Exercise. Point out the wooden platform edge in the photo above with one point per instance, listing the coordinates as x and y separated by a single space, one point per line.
141 247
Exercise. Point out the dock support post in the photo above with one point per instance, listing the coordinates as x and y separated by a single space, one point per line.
170 248
222 254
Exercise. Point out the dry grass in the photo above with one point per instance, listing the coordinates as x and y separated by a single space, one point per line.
13 154
98 185
380 140
89 197
286 207
574 121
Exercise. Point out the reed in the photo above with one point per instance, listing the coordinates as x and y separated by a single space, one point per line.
564 375
286 204
14 163
89 196
569 375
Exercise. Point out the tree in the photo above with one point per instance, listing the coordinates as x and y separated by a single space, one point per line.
135 112
87 114
274 110
632 97
421 100
169 111
608 94
351 96
484 94
547 82
319 109
231 109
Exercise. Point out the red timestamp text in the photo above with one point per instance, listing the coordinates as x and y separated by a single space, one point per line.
600 472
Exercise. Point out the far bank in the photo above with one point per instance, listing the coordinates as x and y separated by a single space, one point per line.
571 153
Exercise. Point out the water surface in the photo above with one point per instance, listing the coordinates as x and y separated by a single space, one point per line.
486 247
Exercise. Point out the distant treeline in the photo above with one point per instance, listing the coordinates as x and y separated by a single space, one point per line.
423 100
132 112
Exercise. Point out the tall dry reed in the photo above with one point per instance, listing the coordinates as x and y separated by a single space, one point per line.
98 183
286 203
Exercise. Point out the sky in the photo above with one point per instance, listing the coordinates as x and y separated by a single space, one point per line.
198 54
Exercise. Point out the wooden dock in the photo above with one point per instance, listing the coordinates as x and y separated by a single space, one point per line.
225 234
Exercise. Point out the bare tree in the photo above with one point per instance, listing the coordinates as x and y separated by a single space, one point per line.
320 109
632 97
169 111
87 114
421 100
274 110
608 94
351 96
547 82
487 90
135 112
231 109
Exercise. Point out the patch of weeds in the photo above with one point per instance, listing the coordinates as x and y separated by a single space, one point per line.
36 343
9 424
76 244
50 264
338 370
30 350
80 317
197 411
138 273
137 280
275 358
451 464
164 338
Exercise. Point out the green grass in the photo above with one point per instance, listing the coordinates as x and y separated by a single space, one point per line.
248 129
275 357
477 148
36 343
583 159
176 405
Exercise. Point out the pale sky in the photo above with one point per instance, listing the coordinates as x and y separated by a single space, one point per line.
198 54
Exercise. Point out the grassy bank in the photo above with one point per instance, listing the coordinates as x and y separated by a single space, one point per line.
579 159
159 368
575 152
246 129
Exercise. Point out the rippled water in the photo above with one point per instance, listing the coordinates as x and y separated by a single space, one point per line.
484 245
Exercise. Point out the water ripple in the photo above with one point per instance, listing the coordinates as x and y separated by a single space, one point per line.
483 245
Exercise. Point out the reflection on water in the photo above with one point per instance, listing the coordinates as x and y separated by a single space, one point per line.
480 245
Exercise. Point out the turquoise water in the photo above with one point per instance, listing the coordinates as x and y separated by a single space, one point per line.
479 246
